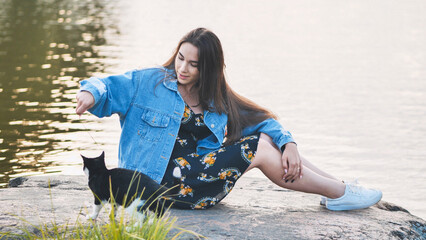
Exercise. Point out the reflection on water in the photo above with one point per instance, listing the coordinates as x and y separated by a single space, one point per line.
46 47
346 79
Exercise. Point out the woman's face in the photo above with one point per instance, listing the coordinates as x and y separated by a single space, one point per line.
186 64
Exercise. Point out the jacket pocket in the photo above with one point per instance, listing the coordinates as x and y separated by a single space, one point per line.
153 125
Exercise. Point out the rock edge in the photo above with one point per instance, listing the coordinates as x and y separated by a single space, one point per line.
256 209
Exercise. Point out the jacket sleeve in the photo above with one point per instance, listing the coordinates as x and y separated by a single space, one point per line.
272 128
112 94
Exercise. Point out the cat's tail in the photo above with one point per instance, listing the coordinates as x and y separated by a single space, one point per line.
166 198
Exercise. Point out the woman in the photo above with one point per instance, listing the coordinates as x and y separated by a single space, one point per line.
185 114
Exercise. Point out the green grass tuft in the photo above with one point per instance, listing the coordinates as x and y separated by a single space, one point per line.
121 226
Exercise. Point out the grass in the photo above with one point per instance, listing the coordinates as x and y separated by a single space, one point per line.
117 228
121 226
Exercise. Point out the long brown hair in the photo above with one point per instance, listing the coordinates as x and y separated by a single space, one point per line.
213 88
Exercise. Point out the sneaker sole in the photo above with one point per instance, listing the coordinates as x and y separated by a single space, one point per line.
323 201
354 207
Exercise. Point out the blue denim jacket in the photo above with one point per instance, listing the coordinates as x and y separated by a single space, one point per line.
150 116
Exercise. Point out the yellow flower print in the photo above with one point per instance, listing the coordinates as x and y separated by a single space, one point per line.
186 114
208 160
224 174
229 173
248 156
199 121
182 163
193 155
182 142
227 188
185 191
204 203
246 138
206 178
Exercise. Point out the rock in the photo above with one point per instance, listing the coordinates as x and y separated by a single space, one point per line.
15 182
390 207
256 209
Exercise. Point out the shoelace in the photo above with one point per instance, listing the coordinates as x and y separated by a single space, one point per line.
353 182
355 189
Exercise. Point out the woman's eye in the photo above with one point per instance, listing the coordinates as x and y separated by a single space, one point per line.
180 58
194 65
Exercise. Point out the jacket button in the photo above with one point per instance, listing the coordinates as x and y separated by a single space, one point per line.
212 125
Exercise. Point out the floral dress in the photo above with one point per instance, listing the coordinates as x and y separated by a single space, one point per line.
206 179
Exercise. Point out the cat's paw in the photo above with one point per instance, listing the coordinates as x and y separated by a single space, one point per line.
150 221
134 227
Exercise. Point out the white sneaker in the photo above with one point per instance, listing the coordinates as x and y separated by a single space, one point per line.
355 197
353 182
323 200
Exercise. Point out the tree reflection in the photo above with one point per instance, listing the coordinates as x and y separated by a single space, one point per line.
46 47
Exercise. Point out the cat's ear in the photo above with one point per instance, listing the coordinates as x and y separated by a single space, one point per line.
84 158
102 155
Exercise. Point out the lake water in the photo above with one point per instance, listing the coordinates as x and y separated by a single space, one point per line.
348 79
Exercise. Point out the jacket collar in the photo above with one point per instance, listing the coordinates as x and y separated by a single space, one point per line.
170 80
171 84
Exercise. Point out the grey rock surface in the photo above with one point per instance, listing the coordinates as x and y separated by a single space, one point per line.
256 209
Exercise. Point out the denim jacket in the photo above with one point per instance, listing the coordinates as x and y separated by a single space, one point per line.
150 113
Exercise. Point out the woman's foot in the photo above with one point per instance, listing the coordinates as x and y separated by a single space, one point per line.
323 199
355 197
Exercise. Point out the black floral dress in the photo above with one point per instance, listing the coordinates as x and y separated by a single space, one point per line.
206 179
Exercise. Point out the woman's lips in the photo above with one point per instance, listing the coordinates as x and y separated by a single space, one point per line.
182 76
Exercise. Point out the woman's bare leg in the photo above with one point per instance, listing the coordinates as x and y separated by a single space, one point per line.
314 168
268 160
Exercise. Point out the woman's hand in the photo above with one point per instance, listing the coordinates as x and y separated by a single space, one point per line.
292 163
85 100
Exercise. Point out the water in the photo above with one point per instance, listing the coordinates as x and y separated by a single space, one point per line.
347 79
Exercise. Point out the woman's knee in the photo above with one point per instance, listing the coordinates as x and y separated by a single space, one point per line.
266 151
266 137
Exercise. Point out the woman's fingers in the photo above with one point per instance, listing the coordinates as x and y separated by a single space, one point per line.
80 109
85 101
285 166
293 162
293 171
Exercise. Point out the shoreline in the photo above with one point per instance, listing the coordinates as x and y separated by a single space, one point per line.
256 209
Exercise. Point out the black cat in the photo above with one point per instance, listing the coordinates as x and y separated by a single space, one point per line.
133 190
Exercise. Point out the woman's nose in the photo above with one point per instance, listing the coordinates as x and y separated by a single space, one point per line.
183 67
